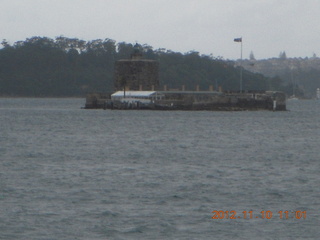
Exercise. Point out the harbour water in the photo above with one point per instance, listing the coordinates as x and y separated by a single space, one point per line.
69 173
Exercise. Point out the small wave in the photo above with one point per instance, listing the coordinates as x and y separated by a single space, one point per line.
109 214
139 229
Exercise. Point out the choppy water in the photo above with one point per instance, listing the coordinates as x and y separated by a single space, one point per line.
68 173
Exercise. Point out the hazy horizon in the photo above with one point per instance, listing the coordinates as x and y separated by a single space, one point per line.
267 27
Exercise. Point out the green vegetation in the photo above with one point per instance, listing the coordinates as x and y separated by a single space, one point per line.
65 67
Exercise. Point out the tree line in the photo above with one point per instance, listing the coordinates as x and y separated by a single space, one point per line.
66 67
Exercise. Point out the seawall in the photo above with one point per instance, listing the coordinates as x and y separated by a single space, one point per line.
189 100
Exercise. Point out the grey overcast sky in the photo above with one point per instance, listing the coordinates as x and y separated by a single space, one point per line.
267 27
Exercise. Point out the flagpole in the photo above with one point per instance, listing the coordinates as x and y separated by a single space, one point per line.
240 40
241 69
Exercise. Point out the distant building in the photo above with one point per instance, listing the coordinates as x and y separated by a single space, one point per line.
136 74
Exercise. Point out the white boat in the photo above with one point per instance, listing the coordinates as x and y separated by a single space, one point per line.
293 97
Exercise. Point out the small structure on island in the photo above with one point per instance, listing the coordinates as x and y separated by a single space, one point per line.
136 73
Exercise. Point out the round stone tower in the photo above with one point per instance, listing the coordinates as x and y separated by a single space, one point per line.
136 74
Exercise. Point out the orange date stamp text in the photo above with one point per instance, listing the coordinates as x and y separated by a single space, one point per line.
259 215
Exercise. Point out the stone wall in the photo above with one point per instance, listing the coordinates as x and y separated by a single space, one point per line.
213 101
96 100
